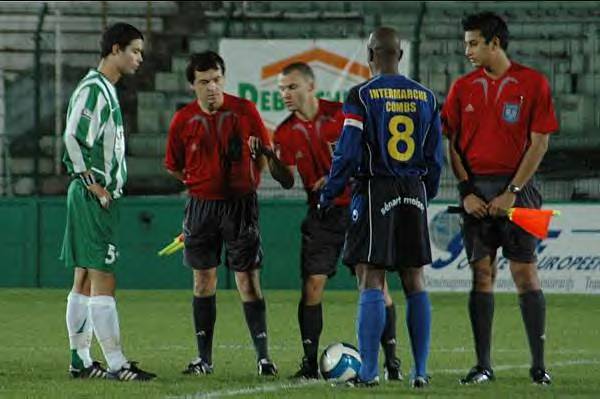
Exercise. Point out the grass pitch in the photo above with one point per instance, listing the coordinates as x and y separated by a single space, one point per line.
157 330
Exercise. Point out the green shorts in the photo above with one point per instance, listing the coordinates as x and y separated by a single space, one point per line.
91 240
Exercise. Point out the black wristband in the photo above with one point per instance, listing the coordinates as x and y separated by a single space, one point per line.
465 188
88 179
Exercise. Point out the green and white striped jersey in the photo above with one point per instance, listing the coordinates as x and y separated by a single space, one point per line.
93 137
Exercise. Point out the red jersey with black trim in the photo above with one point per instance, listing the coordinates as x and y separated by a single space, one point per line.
212 149
308 145
494 118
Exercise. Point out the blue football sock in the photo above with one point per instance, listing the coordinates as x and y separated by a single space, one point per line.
370 324
418 321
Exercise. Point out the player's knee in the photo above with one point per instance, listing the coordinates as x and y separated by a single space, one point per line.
483 281
412 280
484 276
371 279
204 289
244 287
205 284
313 289
315 283
526 282
248 284
526 286
81 287
81 282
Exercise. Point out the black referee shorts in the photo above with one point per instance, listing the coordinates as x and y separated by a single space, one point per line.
483 237
388 226
322 241
210 223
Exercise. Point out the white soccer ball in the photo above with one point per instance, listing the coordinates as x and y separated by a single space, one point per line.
340 362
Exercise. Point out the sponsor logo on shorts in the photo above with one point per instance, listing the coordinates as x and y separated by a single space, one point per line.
412 201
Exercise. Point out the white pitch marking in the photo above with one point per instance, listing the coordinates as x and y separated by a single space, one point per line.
250 390
461 349
281 387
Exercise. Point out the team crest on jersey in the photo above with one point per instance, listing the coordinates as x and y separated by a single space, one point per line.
510 113
299 155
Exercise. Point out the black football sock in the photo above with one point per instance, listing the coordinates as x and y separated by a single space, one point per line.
257 324
388 338
205 315
533 310
310 318
481 312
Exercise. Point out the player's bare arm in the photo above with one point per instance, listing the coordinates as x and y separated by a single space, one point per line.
531 161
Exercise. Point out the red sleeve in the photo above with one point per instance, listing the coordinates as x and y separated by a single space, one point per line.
451 112
257 127
175 152
543 117
283 148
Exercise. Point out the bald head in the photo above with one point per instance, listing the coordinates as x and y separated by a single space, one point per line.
384 50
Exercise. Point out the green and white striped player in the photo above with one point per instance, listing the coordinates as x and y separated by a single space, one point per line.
95 158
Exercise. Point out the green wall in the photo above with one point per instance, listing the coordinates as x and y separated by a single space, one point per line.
32 232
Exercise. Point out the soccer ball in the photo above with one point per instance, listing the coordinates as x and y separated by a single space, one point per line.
340 362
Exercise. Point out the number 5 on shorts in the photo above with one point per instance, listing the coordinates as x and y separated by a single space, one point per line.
405 136
111 254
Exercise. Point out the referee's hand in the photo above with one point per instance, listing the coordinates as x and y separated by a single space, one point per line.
100 192
498 207
475 206
257 148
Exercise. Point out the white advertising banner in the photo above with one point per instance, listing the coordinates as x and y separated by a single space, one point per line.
252 67
568 260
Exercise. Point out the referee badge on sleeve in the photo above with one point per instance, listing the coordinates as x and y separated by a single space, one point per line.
510 113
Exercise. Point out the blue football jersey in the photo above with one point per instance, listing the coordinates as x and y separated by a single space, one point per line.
391 128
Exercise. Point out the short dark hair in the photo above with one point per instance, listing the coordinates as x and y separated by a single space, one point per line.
120 33
301 67
489 24
203 62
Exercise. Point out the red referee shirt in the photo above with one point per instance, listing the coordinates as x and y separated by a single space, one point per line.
309 146
212 149
494 118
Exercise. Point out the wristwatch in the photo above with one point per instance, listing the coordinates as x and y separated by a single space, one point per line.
513 188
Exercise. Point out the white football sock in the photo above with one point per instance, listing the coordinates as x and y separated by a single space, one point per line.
103 310
79 326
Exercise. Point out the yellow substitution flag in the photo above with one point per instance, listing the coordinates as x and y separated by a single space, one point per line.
173 247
